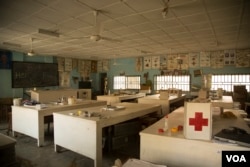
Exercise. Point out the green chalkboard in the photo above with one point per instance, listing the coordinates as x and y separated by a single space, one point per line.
34 74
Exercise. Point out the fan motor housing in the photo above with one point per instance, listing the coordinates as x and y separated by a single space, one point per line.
95 37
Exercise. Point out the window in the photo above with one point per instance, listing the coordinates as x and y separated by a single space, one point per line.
127 82
227 82
119 82
164 82
133 82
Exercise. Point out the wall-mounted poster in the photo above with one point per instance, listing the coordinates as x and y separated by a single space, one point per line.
138 64
204 59
229 57
68 64
64 79
172 62
5 59
61 63
93 66
155 62
242 60
217 59
87 68
147 62
185 61
194 60
164 63
99 66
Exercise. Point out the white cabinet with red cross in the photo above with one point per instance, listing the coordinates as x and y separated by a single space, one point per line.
198 121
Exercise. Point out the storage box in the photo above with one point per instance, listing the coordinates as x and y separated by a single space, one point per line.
198 121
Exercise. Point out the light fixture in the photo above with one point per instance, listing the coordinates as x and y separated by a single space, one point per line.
31 53
12 44
164 12
95 37
48 32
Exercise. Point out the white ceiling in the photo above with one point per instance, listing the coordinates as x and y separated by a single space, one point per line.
136 27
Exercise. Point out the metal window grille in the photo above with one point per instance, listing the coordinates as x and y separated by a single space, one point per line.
133 82
164 82
126 82
119 82
227 81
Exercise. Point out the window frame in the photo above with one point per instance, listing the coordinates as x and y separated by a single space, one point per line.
126 82
228 81
164 82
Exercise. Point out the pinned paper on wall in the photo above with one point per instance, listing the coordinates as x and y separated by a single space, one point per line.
194 60
229 57
138 64
147 62
68 64
217 59
81 64
242 60
61 64
64 79
204 59
155 62
172 63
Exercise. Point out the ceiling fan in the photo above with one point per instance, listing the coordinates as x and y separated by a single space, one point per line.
97 27
33 53
167 7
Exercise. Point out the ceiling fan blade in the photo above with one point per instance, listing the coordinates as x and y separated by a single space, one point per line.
183 5
82 37
111 40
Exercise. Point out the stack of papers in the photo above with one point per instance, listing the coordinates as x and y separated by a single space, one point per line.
114 108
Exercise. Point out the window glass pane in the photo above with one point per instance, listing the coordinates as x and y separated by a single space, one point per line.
126 82
133 82
229 81
170 81
119 82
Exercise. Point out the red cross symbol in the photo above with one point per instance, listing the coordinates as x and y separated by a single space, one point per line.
198 121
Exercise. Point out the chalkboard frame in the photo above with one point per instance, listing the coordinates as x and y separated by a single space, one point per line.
34 74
